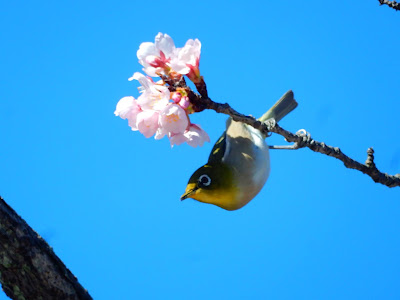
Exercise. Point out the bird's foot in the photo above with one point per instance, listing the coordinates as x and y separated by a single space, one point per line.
305 138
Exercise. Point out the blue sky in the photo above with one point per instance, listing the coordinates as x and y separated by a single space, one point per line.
107 199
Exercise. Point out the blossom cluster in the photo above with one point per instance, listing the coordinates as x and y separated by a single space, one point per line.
157 111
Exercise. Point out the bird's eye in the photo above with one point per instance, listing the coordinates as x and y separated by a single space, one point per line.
205 180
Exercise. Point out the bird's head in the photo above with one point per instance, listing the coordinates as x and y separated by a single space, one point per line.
213 184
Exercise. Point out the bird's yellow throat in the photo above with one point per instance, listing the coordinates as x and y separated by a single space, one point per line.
225 199
222 192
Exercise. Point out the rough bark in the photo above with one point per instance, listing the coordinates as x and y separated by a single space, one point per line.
29 268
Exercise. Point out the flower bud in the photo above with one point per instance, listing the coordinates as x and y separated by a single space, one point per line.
176 97
184 103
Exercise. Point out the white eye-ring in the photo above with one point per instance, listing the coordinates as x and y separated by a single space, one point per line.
205 180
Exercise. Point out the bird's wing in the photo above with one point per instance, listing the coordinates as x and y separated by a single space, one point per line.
218 151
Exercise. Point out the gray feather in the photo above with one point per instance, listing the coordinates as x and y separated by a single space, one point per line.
281 108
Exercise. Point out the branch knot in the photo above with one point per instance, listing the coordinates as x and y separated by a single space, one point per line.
370 159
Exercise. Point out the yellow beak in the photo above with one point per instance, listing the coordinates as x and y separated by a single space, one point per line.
190 190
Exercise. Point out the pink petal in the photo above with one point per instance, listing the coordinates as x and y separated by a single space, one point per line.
154 96
146 49
165 44
160 133
177 139
155 57
174 119
187 56
196 136
147 122
127 108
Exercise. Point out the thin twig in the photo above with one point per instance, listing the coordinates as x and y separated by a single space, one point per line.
301 140
392 4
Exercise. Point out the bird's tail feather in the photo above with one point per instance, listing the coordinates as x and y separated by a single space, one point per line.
281 108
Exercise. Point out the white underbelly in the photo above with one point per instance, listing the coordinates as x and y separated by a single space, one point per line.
248 155
261 160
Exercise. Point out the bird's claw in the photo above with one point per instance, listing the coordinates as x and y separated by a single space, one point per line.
305 139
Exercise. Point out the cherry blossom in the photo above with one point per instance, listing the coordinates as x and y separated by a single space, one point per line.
188 58
154 96
147 122
177 139
159 111
173 119
127 108
194 136
155 57
162 57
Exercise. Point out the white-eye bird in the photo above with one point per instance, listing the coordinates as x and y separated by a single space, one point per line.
239 163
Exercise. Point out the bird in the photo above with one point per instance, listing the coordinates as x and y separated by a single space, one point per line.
239 163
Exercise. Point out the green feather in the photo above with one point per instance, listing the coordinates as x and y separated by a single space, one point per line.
218 151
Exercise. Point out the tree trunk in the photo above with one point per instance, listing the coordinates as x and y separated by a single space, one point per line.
29 268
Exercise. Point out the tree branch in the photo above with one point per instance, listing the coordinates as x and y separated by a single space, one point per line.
29 268
392 4
300 139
